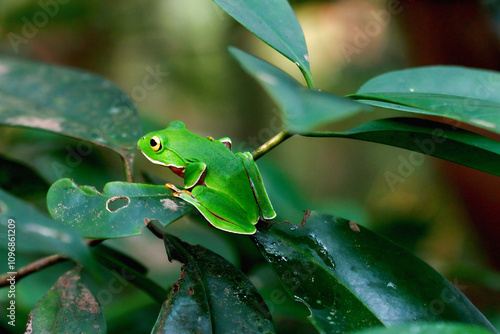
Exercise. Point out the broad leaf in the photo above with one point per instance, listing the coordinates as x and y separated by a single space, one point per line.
37 234
22 181
115 257
302 108
212 296
55 157
275 23
119 211
68 102
351 278
468 95
68 307
429 328
129 270
428 137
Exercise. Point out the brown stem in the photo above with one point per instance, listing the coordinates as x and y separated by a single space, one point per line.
41 264
155 227
32 268
127 159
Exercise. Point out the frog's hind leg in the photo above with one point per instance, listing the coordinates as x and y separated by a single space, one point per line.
266 208
219 209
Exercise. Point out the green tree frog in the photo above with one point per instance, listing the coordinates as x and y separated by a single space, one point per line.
226 188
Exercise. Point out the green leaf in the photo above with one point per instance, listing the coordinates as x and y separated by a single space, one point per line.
428 137
115 257
428 328
130 270
55 157
212 296
475 273
68 307
302 108
468 95
352 279
119 211
22 181
275 23
37 234
68 102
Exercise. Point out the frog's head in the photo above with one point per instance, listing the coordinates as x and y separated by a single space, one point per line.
155 146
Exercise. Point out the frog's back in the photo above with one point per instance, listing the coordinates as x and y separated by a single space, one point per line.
225 171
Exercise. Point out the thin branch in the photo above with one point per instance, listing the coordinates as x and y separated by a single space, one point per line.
270 144
32 268
155 227
127 162
41 264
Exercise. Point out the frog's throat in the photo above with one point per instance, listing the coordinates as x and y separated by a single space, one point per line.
162 163
177 170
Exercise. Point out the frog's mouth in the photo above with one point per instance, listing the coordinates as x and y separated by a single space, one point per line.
179 170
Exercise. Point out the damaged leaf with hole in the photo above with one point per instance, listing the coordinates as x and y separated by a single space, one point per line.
46 237
118 211
117 203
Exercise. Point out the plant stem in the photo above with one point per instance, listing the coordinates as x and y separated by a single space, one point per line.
309 80
270 144
155 227
128 160
42 263
283 135
32 268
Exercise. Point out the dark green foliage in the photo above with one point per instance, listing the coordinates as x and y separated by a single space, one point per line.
335 266
69 306
212 296
349 278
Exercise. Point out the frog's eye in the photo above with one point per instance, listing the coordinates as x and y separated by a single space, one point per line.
155 143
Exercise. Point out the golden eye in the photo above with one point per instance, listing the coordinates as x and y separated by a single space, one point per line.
155 143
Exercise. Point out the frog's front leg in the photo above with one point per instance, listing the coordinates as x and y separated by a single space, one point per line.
219 209
194 174
174 189
266 208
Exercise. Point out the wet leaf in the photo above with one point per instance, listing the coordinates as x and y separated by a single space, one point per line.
428 328
37 234
468 95
428 137
275 23
303 109
212 296
352 279
68 307
119 211
68 102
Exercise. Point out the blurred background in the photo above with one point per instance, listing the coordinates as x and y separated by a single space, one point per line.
448 215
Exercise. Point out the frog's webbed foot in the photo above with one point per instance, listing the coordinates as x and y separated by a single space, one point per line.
172 187
177 191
